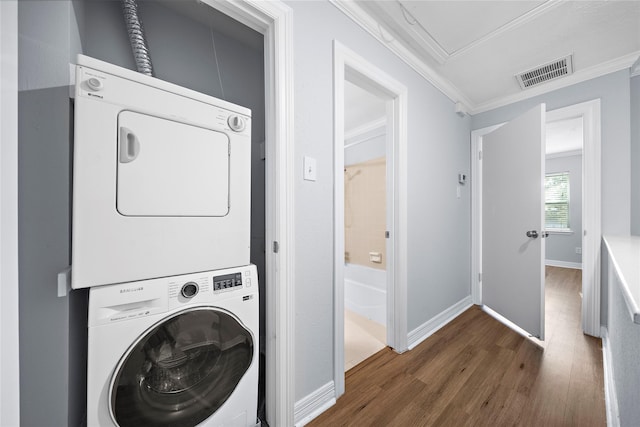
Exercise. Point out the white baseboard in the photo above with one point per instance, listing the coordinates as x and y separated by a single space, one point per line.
610 396
563 264
312 405
432 326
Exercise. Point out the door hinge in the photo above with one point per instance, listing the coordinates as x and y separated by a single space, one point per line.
386 234
480 155
276 247
479 277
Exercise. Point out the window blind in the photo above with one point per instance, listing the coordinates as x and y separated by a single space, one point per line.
556 188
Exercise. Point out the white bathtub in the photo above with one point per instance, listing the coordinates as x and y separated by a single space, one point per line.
365 292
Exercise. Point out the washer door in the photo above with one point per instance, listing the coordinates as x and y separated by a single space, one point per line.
181 370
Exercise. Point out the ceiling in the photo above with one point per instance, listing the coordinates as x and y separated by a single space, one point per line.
564 136
472 50
362 109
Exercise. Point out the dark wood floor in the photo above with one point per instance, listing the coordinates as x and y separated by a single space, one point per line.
477 372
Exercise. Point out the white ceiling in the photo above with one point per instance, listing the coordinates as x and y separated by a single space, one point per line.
472 50
564 136
361 108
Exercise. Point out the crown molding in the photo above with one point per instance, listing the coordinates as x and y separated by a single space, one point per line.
612 66
635 68
377 124
352 10
560 154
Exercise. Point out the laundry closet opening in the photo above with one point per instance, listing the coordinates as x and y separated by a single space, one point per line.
197 47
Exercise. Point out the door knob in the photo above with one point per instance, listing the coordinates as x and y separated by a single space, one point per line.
532 233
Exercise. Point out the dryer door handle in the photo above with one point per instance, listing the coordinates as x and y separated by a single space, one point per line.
129 145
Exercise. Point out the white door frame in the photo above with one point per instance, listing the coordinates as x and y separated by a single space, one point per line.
348 64
274 20
591 209
9 316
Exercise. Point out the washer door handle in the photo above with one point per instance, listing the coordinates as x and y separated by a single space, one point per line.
129 145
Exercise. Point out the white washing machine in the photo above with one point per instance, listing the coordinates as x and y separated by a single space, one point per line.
162 178
178 351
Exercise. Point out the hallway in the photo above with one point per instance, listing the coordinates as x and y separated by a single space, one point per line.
476 371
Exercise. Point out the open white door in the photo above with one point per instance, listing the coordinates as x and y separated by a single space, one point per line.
513 221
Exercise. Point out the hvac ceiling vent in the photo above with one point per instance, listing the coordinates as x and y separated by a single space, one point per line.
551 71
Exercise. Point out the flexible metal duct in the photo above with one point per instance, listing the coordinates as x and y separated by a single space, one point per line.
136 37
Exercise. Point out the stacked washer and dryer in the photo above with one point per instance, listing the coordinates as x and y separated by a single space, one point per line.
161 235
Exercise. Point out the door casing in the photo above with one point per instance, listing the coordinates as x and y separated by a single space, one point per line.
348 64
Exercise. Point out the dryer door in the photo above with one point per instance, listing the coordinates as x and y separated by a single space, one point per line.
181 370
169 168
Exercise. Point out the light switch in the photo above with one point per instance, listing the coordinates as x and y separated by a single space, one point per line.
309 164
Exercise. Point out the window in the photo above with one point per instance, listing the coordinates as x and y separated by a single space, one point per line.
556 208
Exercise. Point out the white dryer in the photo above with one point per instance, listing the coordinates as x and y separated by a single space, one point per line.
179 351
161 180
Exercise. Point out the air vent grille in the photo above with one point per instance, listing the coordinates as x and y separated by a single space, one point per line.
551 71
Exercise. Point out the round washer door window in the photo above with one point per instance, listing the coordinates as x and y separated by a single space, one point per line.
182 370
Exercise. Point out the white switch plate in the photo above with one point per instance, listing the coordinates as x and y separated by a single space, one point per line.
309 164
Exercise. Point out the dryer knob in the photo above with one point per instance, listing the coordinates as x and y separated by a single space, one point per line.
95 84
236 123
189 289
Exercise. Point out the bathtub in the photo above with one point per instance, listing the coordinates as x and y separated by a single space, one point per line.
365 292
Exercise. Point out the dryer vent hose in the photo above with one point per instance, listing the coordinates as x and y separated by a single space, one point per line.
137 37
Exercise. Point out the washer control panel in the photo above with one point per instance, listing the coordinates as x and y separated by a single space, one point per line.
228 281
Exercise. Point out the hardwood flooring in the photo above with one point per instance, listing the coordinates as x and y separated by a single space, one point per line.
477 372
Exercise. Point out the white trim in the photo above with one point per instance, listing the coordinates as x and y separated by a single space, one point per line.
369 24
591 209
374 125
314 404
563 264
612 66
610 394
476 211
9 316
348 64
274 20
436 323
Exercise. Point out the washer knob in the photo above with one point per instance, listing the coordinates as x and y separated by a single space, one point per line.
95 84
236 123
189 289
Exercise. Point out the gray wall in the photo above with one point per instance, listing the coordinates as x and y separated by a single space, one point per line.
614 93
624 336
438 148
635 155
562 247
52 329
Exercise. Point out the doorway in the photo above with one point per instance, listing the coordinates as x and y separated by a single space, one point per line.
563 221
351 69
365 215
589 112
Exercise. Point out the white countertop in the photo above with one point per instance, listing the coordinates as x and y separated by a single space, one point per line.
624 253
